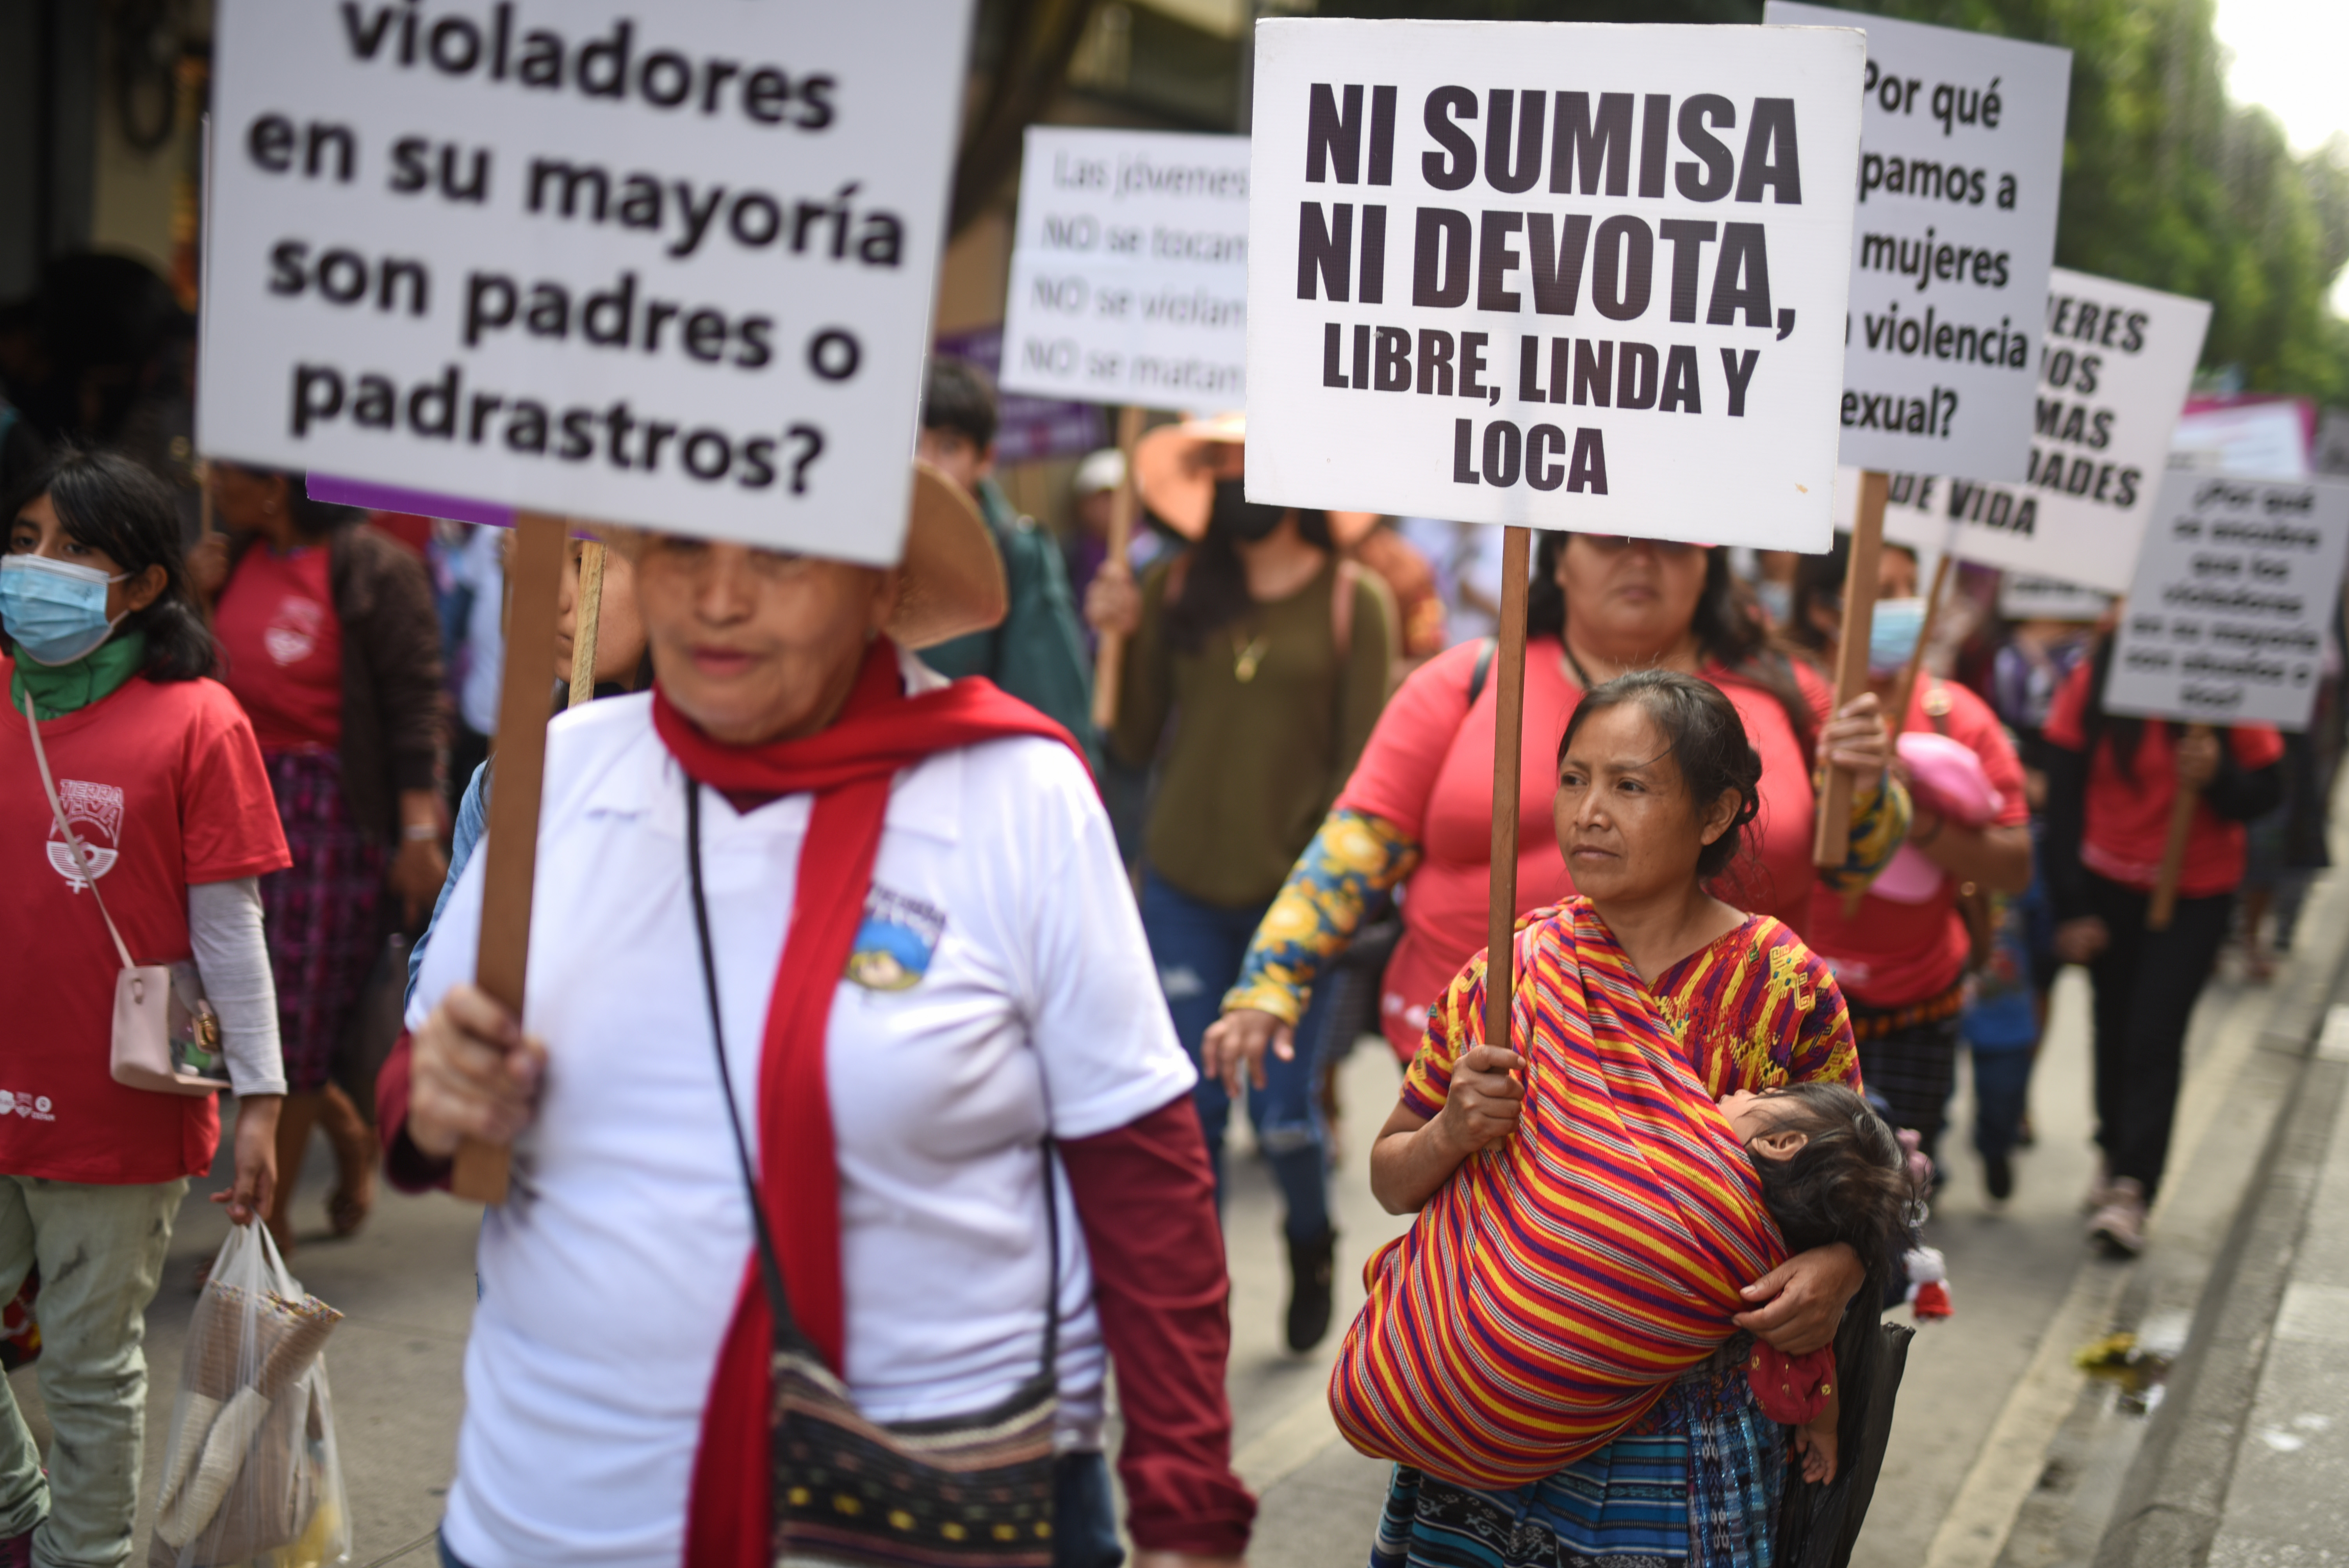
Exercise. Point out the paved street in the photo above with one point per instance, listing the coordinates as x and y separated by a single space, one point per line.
2004 1453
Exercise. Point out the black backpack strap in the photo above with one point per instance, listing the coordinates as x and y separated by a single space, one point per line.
1484 670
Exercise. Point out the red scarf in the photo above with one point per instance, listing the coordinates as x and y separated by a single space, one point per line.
850 766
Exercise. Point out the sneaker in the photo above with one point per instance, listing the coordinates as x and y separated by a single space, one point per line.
1998 1176
1312 1269
2119 1226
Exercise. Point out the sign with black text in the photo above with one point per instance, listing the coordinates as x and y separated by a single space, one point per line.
2116 362
2235 587
662 264
1129 269
1961 160
1565 275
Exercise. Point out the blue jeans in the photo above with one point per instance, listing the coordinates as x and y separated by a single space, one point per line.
1084 1523
2002 1085
1197 948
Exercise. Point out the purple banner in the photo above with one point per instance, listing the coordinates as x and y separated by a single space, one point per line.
392 497
1028 430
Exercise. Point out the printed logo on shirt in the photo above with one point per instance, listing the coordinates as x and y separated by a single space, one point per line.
32 1107
294 630
895 941
95 813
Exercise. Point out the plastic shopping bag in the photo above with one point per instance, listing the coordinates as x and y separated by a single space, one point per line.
251 1475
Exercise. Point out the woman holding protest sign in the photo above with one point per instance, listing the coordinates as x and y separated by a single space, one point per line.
330 641
125 775
1257 667
2114 785
1418 811
920 956
1562 1355
1902 951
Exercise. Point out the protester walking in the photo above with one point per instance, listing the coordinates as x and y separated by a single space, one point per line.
1562 1352
1417 814
1037 655
2112 785
127 776
329 639
898 869
1258 668
1902 950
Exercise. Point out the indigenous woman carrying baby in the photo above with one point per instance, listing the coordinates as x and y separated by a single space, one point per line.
1565 1354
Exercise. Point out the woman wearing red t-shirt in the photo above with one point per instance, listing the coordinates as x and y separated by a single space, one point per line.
329 638
1417 811
2112 782
159 782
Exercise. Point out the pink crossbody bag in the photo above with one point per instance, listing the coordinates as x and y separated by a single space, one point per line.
167 1037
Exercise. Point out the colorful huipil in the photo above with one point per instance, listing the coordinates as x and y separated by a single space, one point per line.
1553 1289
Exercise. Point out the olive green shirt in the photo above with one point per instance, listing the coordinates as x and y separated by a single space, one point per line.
1249 767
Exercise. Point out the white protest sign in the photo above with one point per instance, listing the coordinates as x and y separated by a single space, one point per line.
2027 598
1565 275
1962 162
1129 269
2235 587
2264 441
664 264
2115 365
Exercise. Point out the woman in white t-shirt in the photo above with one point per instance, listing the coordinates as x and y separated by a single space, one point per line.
965 978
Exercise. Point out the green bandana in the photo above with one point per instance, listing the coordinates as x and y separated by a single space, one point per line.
61 689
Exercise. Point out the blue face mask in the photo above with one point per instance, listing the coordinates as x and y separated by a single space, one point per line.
1892 634
55 611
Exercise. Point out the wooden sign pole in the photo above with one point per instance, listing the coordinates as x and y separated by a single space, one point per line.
1508 759
587 614
1109 658
2158 913
511 850
1832 844
1898 719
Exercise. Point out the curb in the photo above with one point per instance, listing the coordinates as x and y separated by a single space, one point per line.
2174 1491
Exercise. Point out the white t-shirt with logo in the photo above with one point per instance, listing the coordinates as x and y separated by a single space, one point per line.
1001 986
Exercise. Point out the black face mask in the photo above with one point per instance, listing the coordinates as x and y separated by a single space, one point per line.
1242 519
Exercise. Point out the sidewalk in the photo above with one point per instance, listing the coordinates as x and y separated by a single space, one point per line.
2289 1502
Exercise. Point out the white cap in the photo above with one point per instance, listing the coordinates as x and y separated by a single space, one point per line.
1102 471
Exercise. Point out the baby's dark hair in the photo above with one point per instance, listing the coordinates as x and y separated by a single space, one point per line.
1849 1183
1708 743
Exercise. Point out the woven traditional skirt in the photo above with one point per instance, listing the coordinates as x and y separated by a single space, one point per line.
1697 1487
323 915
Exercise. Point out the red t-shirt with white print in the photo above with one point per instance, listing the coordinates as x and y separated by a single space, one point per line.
163 785
282 648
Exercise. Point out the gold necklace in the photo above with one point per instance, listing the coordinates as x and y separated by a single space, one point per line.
1246 656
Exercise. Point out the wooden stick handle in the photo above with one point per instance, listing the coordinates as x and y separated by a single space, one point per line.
1109 655
511 850
587 614
1508 757
1832 846
2158 912
1897 720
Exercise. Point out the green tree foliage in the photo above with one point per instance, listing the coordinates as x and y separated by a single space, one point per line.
2165 183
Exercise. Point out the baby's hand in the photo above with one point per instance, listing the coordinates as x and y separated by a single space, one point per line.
1816 1444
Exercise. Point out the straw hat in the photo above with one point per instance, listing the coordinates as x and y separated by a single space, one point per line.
951 573
1176 468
